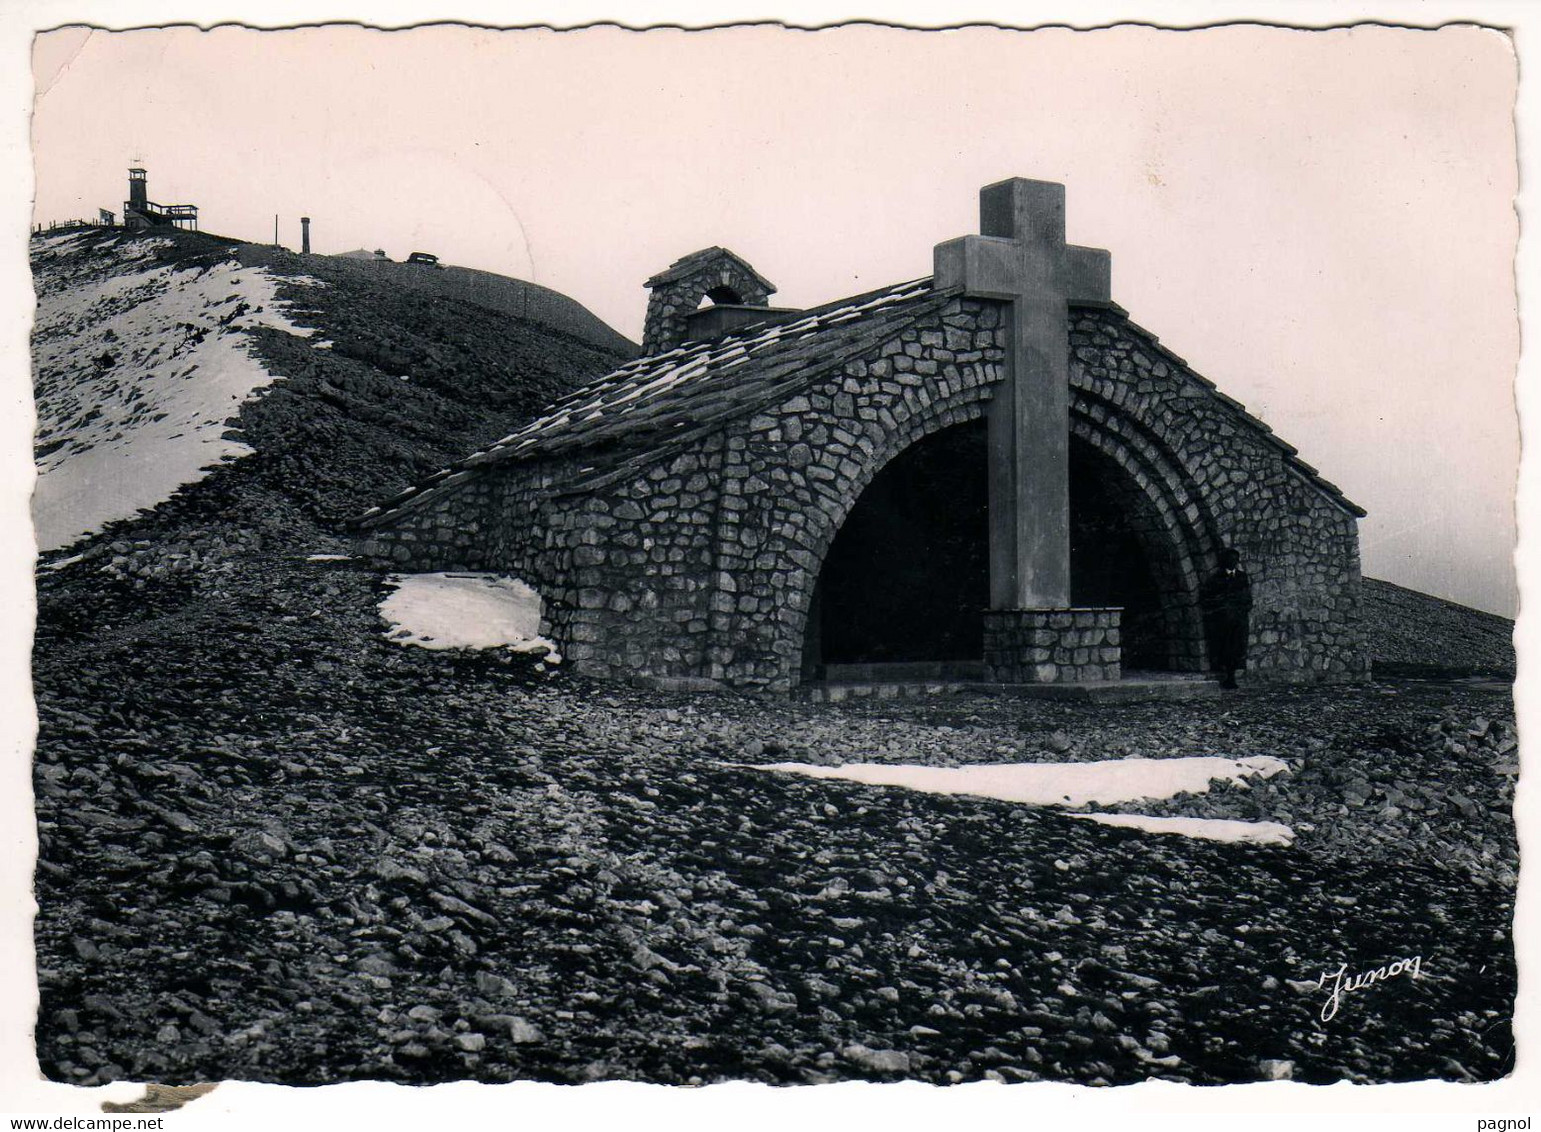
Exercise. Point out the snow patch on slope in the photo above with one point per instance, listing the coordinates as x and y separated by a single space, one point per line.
136 370
465 611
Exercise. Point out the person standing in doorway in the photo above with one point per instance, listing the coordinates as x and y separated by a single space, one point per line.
1227 601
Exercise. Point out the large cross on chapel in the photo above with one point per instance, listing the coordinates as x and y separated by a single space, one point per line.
1021 256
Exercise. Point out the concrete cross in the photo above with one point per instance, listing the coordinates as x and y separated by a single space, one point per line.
1021 257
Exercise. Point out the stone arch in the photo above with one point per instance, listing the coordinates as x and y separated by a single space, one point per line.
1171 518
1138 437
915 420
920 427
1170 486
1126 553
906 577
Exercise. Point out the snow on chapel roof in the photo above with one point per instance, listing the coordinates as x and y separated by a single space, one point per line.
665 398
656 402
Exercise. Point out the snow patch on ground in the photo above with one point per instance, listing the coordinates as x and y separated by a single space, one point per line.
465 611
136 370
63 562
1209 829
1106 783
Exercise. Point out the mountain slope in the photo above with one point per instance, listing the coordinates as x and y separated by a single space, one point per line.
137 364
514 297
1413 633
313 390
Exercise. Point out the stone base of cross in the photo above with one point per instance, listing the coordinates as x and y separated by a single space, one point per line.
1021 257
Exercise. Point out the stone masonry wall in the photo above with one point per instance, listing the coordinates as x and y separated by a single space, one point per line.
701 565
1050 646
1221 478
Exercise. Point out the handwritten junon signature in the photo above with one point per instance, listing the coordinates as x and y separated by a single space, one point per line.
1344 983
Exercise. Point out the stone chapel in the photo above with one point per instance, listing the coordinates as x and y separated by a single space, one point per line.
990 474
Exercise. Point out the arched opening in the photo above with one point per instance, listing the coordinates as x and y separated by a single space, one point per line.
719 295
1122 553
906 579
907 576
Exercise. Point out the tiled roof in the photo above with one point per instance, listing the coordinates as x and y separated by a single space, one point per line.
1290 453
658 402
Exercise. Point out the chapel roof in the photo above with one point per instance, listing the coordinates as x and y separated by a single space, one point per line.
661 402
688 263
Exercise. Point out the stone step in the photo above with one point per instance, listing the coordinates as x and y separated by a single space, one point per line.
1176 686
904 672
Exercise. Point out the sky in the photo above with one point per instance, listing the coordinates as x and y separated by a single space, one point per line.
1321 222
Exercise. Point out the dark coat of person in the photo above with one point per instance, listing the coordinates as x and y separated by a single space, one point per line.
1227 601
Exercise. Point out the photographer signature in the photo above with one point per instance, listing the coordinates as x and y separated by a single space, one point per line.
1344 983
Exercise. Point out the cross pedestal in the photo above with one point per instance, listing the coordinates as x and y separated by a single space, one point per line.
1021 258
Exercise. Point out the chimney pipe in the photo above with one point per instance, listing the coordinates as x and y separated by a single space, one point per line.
305 235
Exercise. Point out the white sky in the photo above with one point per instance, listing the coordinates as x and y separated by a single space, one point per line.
1321 222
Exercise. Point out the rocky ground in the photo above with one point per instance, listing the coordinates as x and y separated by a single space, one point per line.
275 846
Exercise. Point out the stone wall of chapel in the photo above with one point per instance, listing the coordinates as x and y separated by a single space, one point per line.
700 564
